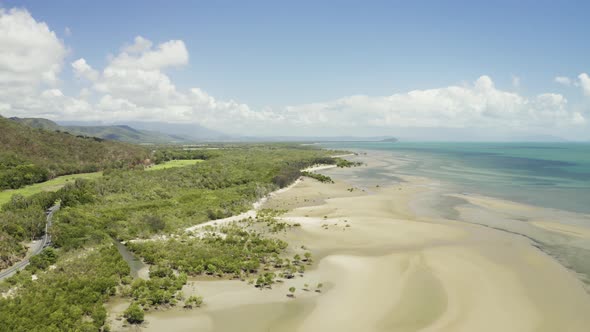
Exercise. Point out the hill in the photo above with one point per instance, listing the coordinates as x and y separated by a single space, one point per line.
30 155
121 133
191 130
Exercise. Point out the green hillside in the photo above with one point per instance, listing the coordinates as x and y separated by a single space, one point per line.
30 155
116 132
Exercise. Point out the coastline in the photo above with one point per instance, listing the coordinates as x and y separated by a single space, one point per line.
259 203
388 263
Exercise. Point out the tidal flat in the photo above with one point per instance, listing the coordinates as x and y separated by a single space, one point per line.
390 258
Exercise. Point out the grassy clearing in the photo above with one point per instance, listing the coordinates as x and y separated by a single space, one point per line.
172 164
51 185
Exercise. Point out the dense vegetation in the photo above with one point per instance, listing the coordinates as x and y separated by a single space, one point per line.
233 250
85 269
29 155
319 177
67 298
139 204
23 218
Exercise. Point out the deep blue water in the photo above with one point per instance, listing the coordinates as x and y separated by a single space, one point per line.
555 175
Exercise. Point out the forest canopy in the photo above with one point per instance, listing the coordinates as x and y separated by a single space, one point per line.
84 269
31 155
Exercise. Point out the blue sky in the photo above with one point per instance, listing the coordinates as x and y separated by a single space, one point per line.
275 54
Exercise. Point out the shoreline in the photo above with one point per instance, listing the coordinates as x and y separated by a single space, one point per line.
259 203
387 261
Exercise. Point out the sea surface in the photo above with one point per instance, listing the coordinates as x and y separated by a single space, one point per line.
554 175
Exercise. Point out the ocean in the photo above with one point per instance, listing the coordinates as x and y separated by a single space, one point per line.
554 175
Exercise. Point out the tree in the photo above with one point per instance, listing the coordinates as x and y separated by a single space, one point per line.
134 313
292 291
193 301
46 258
319 287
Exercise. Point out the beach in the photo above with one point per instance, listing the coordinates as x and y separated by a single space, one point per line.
389 261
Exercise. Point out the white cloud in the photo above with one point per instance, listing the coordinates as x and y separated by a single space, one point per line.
563 80
31 57
479 105
137 73
30 53
579 119
141 56
140 45
83 69
584 82
52 93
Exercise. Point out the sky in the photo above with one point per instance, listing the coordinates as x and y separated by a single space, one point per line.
459 70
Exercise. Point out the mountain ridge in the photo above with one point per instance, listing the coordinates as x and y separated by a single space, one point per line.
122 132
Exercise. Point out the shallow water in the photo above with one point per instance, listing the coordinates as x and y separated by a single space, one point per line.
555 175
135 264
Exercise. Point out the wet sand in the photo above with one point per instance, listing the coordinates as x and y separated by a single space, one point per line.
388 262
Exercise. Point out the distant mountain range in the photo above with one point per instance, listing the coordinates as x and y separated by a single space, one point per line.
161 132
122 133
168 132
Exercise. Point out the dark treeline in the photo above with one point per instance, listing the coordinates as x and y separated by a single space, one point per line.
319 177
161 156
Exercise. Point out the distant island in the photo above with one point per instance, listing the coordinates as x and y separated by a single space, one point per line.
390 140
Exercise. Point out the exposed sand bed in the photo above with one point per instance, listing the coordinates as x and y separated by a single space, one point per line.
393 269
577 231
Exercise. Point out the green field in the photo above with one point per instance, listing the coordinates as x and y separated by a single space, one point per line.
173 163
51 185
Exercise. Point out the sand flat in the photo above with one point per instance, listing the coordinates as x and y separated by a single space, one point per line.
392 269
571 230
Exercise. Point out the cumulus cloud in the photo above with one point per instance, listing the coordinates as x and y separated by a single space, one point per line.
137 73
563 80
139 45
30 53
584 82
83 69
31 57
141 55
478 105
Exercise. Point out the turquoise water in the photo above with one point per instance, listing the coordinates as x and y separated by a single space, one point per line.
555 175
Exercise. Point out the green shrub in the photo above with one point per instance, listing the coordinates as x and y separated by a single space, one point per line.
134 314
